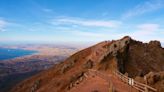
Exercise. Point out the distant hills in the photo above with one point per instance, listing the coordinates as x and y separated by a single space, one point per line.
13 70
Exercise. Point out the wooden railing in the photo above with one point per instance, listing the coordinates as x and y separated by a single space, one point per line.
139 86
131 82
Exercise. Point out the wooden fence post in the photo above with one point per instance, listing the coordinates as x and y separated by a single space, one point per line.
145 78
111 88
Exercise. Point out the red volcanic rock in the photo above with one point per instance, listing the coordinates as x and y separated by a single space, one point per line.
156 79
155 43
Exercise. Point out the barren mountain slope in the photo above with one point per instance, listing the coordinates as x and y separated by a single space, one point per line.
126 55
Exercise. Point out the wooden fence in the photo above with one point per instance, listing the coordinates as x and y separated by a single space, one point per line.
139 86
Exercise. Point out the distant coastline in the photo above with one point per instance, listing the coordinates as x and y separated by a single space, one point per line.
10 53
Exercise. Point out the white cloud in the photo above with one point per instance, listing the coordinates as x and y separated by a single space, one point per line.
145 32
148 6
148 27
86 22
88 34
47 10
3 24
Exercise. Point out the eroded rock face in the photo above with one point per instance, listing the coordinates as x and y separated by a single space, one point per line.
88 64
134 57
116 55
155 43
143 58
156 80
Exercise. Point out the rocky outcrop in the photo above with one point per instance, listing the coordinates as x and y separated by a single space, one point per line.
156 80
155 44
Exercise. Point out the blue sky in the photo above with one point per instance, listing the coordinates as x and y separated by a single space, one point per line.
53 21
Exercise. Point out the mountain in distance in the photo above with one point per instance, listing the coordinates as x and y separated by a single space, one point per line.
132 58
20 61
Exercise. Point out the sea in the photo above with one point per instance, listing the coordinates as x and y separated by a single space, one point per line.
8 53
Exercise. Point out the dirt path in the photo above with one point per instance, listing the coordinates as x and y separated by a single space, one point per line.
101 83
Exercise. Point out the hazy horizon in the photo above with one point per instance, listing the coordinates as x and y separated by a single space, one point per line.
71 44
